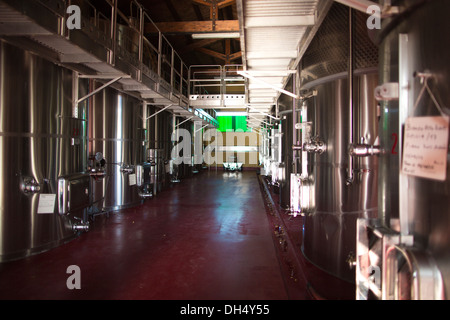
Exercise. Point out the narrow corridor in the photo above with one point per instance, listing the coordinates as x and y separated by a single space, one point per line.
208 238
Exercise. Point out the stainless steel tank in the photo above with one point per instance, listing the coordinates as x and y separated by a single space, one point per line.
330 227
286 146
184 169
41 148
414 209
159 145
157 168
116 130
286 123
338 188
173 176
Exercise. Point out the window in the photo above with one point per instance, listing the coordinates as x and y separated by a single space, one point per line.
233 123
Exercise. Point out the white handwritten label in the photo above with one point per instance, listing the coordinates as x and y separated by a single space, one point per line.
425 147
46 203
132 179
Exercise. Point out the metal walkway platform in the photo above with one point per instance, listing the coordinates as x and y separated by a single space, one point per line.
108 47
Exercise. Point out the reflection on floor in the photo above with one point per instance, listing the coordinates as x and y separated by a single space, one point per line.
210 237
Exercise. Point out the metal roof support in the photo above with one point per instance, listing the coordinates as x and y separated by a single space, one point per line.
98 89
263 113
247 75
202 128
75 85
360 5
269 124
168 106
184 121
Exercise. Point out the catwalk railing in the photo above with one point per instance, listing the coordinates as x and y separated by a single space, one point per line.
106 38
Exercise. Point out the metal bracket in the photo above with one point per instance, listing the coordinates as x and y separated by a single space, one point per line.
386 9
247 75
387 91
269 124
98 89
168 106
75 85
183 121
263 113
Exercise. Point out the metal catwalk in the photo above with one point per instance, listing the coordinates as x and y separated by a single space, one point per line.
207 238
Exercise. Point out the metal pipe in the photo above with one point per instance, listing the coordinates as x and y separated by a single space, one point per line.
141 39
404 88
144 114
156 134
294 121
277 109
305 136
350 176
159 54
114 10
75 90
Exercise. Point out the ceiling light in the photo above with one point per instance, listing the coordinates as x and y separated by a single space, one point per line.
215 35
230 113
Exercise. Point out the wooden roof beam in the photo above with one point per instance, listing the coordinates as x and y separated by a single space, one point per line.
194 26
198 44
220 4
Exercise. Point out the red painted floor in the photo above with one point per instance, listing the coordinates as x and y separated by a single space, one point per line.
319 284
207 238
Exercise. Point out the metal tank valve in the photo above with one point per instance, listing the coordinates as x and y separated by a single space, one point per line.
30 185
126 168
315 145
363 150
80 226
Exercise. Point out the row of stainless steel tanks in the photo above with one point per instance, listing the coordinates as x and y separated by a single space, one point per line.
369 221
58 169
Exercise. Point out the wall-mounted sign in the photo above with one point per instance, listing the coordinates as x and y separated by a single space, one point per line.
425 147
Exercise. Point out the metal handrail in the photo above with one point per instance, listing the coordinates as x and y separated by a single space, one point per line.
204 77
135 38
128 38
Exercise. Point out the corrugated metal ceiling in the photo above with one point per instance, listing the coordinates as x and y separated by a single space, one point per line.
272 35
